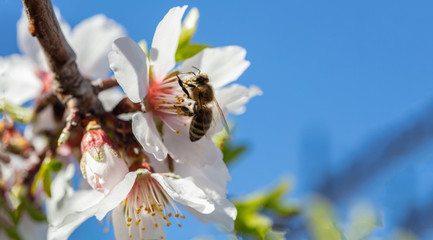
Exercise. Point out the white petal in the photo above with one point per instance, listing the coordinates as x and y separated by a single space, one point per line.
76 209
121 231
27 44
130 67
213 176
110 98
116 196
91 40
164 44
200 153
233 98
18 82
146 133
31 229
223 65
185 192
60 190
224 214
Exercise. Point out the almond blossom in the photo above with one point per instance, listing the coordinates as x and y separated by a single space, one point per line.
162 128
144 201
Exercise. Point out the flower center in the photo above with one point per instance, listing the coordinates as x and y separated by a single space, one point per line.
148 200
167 101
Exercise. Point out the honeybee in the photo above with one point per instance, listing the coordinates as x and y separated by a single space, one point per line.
203 95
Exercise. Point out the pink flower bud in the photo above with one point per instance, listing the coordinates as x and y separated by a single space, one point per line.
101 164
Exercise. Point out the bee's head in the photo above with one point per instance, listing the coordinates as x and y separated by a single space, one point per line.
201 79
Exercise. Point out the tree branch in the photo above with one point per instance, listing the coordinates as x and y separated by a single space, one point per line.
69 83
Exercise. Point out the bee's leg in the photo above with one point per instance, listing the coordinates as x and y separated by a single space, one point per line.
185 110
182 86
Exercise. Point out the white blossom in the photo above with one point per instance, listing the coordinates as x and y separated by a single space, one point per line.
163 129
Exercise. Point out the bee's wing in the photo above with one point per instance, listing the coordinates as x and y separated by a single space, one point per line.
218 117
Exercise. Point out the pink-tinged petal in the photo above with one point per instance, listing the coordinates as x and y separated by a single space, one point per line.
223 65
164 44
122 231
116 196
18 82
146 133
185 192
181 149
91 40
233 98
130 67
224 214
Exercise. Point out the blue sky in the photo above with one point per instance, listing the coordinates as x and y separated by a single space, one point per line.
336 77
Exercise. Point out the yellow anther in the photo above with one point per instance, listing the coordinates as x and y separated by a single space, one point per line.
162 237
128 224
153 214
164 102
179 225
176 215
177 132
184 124
138 210
168 224
156 225
105 230
143 228
169 214
130 235
183 217
129 219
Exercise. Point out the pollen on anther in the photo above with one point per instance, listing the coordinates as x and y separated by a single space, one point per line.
177 132
128 224
130 235
179 225
143 228
129 219
176 215
156 225
137 222
168 224
138 210
184 124
153 214
183 217
170 214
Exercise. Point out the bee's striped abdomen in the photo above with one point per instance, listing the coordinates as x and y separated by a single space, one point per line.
200 123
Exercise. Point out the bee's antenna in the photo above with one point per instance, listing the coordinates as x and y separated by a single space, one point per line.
196 69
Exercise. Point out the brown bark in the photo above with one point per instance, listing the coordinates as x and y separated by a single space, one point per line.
69 83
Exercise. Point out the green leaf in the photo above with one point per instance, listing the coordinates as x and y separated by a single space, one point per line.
232 153
188 50
34 212
274 235
189 25
18 113
48 166
321 221
253 210
12 233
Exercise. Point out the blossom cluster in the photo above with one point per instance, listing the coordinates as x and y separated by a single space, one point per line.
147 182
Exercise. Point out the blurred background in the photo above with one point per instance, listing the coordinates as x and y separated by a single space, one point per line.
346 111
